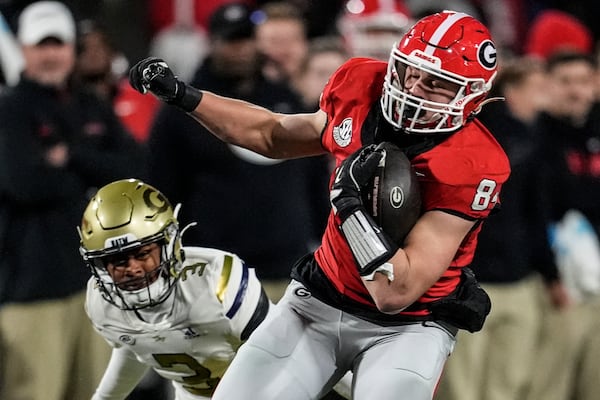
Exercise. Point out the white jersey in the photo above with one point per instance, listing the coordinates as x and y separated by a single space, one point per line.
190 338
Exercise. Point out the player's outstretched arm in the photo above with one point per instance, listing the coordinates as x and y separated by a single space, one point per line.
234 121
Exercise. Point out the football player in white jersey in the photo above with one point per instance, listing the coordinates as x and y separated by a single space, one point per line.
182 311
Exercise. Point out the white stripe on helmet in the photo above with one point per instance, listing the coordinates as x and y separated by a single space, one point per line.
442 29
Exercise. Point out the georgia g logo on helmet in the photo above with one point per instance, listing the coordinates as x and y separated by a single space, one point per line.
487 55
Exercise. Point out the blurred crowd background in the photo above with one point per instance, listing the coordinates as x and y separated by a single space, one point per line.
538 258
137 28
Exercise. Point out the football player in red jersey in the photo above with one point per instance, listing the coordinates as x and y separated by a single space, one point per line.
386 311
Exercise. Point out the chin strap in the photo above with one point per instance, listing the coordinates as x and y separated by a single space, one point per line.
188 226
176 210
176 215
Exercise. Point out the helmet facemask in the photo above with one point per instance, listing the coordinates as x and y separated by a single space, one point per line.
412 114
153 288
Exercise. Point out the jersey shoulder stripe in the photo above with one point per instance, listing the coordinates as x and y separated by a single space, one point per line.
233 284
241 293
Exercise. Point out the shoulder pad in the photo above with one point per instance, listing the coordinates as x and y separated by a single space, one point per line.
475 154
355 75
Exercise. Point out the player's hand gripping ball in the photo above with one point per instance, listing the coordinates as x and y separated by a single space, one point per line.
353 178
393 198
381 180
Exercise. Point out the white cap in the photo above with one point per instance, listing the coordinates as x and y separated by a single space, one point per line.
45 19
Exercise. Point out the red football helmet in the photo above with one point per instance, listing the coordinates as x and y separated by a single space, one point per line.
371 27
451 48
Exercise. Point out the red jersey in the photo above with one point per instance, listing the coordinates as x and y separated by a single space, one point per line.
462 175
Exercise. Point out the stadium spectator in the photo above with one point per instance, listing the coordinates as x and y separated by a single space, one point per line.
371 27
282 40
570 182
554 31
100 67
324 56
57 145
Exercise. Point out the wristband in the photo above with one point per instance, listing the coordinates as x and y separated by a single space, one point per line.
189 98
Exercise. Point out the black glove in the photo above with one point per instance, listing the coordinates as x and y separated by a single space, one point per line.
352 178
370 246
154 75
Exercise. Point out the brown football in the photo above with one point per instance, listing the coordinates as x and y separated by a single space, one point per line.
394 200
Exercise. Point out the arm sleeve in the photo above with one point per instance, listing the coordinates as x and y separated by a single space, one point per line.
121 376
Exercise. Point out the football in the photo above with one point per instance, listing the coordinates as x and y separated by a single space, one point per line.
394 198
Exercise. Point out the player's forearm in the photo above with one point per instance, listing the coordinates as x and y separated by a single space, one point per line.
239 122
393 296
428 250
121 376
271 134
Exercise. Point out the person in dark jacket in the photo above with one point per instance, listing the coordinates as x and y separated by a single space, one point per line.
569 175
58 144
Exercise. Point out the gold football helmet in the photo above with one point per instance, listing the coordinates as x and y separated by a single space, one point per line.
122 217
